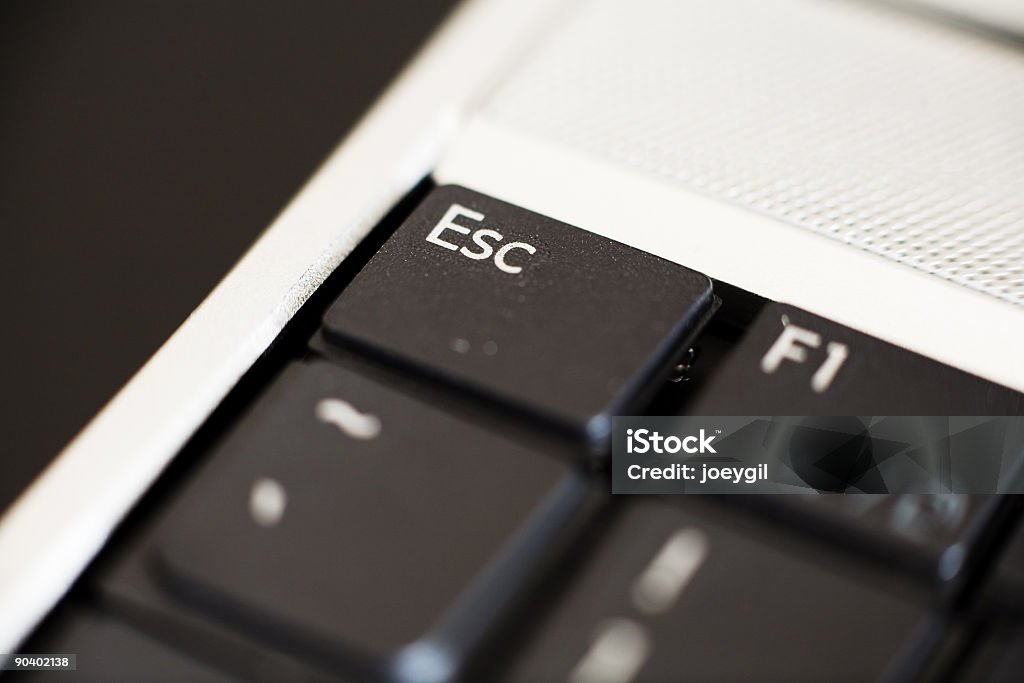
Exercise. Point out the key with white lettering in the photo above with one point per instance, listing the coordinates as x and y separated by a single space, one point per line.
369 532
556 320
791 362
670 596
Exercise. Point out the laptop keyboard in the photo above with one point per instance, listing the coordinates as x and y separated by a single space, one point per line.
411 487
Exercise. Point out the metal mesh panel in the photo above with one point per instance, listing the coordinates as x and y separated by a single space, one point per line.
885 131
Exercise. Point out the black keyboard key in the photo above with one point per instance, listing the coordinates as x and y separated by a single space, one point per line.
348 521
109 650
911 529
791 362
670 597
554 319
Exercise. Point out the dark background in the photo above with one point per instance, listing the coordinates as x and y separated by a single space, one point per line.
143 147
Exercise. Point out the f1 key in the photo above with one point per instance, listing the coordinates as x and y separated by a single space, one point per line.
791 362
555 320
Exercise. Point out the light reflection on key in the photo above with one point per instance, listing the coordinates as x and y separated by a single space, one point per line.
658 587
616 655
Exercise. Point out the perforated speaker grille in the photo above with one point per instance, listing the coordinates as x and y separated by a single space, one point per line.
885 131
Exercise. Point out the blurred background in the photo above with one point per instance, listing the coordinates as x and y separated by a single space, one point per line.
143 146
